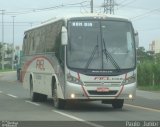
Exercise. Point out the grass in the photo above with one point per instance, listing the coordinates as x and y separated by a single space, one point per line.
150 88
6 69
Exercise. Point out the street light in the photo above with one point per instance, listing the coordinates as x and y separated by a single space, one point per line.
2 51
13 46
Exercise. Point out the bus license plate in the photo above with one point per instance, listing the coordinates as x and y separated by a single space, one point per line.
102 89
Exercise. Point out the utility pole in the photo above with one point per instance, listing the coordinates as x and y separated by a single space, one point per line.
109 6
2 51
13 46
91 3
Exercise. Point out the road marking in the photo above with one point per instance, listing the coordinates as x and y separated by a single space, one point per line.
144 108
13 81
33 103
12 95
77 119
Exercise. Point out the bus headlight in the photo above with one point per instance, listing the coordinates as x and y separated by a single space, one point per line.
72 95
130 96
72 79
129 80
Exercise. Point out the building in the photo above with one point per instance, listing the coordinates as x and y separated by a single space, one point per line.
155 46
6 51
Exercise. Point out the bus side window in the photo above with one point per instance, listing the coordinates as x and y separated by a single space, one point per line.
24 43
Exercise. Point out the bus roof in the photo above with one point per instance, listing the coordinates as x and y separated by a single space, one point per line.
96 15
86 16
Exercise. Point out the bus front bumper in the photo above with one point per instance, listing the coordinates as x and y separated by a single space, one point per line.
75 91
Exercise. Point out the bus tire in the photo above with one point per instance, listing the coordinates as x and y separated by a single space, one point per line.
58 103
117 103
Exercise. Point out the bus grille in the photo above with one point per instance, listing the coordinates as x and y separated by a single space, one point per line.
108 84
94 92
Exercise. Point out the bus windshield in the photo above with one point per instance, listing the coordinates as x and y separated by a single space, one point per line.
100 45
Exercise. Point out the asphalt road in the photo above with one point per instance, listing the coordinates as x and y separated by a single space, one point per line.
15 105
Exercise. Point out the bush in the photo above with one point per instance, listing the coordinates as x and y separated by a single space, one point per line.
156 70
148 74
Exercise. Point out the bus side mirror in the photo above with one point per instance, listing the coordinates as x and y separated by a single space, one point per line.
64 36
136 39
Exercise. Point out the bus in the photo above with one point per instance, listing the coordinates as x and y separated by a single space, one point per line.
81 58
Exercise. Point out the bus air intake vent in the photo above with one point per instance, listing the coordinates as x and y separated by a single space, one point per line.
94 92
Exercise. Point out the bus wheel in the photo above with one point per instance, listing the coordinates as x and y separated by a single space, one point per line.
118 103
58 103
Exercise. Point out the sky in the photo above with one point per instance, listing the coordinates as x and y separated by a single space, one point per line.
144 14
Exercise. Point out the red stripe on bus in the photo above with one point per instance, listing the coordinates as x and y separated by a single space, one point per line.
84 91
78 76
120 91
125 76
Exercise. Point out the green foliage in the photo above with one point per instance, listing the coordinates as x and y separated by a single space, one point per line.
6 70
145 73
148 70
150 88
9 51
156 71
148 75
143 56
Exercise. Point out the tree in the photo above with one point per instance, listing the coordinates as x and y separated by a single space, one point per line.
143 56
9 51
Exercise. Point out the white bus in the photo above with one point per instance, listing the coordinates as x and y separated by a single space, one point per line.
81 58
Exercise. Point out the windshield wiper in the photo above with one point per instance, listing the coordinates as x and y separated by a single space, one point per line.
92 55
108 55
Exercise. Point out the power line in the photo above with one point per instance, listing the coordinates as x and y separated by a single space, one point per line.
150 29
14 25
47 9
123 5
136 7
84 8
123 1
21 22
145 14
